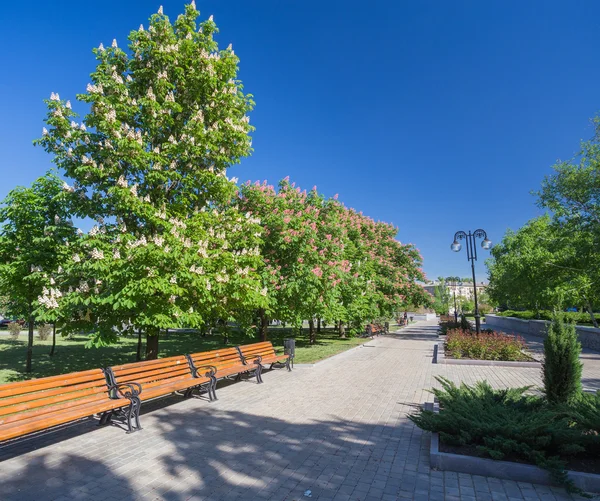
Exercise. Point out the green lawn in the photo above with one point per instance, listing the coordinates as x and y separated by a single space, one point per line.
71 355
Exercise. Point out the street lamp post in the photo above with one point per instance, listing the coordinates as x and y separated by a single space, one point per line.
472 256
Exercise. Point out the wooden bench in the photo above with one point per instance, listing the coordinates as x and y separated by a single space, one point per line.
375 330
225 363
261 354
163 376
39 404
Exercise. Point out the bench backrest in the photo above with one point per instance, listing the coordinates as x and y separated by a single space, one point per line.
251 351
150 373
220 359
37 397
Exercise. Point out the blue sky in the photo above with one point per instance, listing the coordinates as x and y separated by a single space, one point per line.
437 116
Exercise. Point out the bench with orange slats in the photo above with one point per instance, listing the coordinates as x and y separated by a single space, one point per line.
262 354
162 377
39 404
225 363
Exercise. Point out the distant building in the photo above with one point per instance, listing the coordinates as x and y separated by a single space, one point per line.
461 289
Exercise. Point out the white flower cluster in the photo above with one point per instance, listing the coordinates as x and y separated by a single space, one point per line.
97 254
173 279
158 240
98 89
263 292
150 94
178 224
202 248
116 77
49 297
222 277
54 97
35 268
94 231
116 254
170 97
162 75
243 271
122 182
133 190
234 126
161 214
111 116
172 299
68 188
141 242
83 287
197 269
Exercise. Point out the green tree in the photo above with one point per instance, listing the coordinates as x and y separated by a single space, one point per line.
561 370
166 119
572 194
34 238
442 297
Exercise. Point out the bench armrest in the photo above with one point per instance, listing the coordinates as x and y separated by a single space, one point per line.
127 390
212 370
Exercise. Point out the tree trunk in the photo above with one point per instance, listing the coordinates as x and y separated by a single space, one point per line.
152 344
264 324
591 312
319 325
53 339
29 341
311 331
138 355
342 330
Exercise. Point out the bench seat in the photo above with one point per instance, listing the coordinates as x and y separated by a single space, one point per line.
263 354
225 363
161 377
38 404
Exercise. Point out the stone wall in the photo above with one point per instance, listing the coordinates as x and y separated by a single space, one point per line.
588 336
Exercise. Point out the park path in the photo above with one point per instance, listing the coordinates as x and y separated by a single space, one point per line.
336 431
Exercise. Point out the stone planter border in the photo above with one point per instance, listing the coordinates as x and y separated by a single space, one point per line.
507 470
440 358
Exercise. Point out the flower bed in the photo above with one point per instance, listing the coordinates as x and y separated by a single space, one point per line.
462 343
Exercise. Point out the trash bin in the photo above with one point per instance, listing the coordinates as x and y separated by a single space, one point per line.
289 348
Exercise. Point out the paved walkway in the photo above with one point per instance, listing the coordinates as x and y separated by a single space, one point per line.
337 431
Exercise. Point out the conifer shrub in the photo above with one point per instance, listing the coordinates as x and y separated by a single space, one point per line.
510 424
561 370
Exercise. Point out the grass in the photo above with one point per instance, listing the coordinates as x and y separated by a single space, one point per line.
71 355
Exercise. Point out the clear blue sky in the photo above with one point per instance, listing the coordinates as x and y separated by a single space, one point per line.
434 115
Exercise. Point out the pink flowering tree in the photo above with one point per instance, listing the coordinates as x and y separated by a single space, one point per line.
301 249
34 237
381 275
165 120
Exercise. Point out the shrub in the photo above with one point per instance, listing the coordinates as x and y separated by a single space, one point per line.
578 318
485 346
15 329
561 370
510 424
447 326
44 331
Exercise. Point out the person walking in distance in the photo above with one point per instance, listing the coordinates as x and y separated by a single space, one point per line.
405 317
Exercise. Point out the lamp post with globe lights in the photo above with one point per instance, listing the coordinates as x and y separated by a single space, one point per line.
470 239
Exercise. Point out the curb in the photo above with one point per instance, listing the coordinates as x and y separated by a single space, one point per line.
507 470
439 358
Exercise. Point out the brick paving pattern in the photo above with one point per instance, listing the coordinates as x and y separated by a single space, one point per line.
338 430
